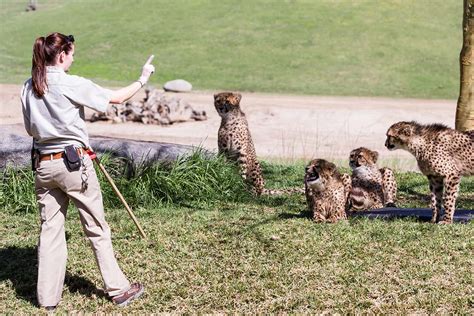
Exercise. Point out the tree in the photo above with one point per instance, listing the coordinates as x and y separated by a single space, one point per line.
465 106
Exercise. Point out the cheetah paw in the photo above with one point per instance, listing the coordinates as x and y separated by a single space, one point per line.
445 222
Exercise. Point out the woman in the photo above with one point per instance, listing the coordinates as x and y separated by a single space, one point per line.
53 109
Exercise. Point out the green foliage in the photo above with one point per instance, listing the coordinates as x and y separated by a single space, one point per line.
367 48
190 180
17 191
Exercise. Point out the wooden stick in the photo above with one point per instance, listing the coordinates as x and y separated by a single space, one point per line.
120 196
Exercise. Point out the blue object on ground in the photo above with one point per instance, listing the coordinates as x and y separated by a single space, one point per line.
423 214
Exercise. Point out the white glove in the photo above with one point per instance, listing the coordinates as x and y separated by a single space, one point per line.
147 70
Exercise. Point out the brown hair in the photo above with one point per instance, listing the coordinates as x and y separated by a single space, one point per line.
45 50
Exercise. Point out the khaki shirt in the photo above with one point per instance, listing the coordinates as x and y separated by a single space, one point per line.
56 120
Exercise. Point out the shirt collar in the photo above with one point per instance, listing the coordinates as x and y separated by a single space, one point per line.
54 69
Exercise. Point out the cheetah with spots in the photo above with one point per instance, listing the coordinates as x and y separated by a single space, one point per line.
443 154
235 142
326 191
371 187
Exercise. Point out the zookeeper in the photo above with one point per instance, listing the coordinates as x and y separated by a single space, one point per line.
53 110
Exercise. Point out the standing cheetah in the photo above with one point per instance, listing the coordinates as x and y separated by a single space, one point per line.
371 187
326 191
443 155
235 142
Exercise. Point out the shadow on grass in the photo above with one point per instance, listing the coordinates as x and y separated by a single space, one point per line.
81 285
19 266
303 214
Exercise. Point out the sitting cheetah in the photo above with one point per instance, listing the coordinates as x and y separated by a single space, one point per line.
443 155
371 187
235 142
326 191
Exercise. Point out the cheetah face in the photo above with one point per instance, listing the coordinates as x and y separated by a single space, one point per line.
399 135
227 102
317 174
362 157
163 110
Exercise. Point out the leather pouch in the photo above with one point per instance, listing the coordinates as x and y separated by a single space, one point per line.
73 161
35 159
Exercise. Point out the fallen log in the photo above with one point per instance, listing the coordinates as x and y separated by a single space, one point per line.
15 150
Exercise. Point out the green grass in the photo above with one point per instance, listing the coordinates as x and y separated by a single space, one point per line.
398 48
224 251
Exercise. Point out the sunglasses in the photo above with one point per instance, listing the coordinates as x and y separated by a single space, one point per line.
70 38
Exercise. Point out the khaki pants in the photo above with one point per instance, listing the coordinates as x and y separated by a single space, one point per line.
55 185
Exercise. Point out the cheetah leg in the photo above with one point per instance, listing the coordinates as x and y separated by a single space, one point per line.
389 187
451 184
436 188
338 215
347 182
242 162
319 217
257 179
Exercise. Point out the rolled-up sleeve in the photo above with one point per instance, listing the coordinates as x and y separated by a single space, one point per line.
24 106
84 92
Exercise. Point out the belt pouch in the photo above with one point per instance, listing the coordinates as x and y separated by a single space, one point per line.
34 159
73 161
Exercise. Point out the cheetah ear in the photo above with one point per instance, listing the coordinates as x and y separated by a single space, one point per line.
375 156
407 131
216 95
237 98
330 167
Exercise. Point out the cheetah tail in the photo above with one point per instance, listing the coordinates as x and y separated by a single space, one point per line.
283 191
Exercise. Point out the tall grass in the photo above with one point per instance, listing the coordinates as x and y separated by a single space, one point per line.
17 190
190 180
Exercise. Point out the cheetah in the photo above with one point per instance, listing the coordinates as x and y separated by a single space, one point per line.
327 191
371 187
235 142
443 155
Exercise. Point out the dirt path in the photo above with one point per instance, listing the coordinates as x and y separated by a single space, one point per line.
283 127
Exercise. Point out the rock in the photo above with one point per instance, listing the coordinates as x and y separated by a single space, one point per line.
178 85
155 108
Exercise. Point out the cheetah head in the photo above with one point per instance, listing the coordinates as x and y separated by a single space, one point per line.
227 102
399 135
318 173
362 157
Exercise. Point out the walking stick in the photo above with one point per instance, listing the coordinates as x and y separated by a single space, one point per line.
94 157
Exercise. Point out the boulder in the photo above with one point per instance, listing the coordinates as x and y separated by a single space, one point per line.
178 85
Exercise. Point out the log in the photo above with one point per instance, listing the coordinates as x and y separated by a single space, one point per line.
15 150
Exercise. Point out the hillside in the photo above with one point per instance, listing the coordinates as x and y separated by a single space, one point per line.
359 48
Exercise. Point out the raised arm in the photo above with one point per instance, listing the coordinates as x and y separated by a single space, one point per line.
123 94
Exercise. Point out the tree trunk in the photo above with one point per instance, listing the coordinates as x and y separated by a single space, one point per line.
465 107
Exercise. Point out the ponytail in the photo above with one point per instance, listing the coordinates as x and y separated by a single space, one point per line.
45 51
38 69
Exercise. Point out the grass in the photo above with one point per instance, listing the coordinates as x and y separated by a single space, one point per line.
397 48
220 250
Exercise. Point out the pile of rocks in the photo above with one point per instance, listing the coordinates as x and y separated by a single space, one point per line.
156 108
